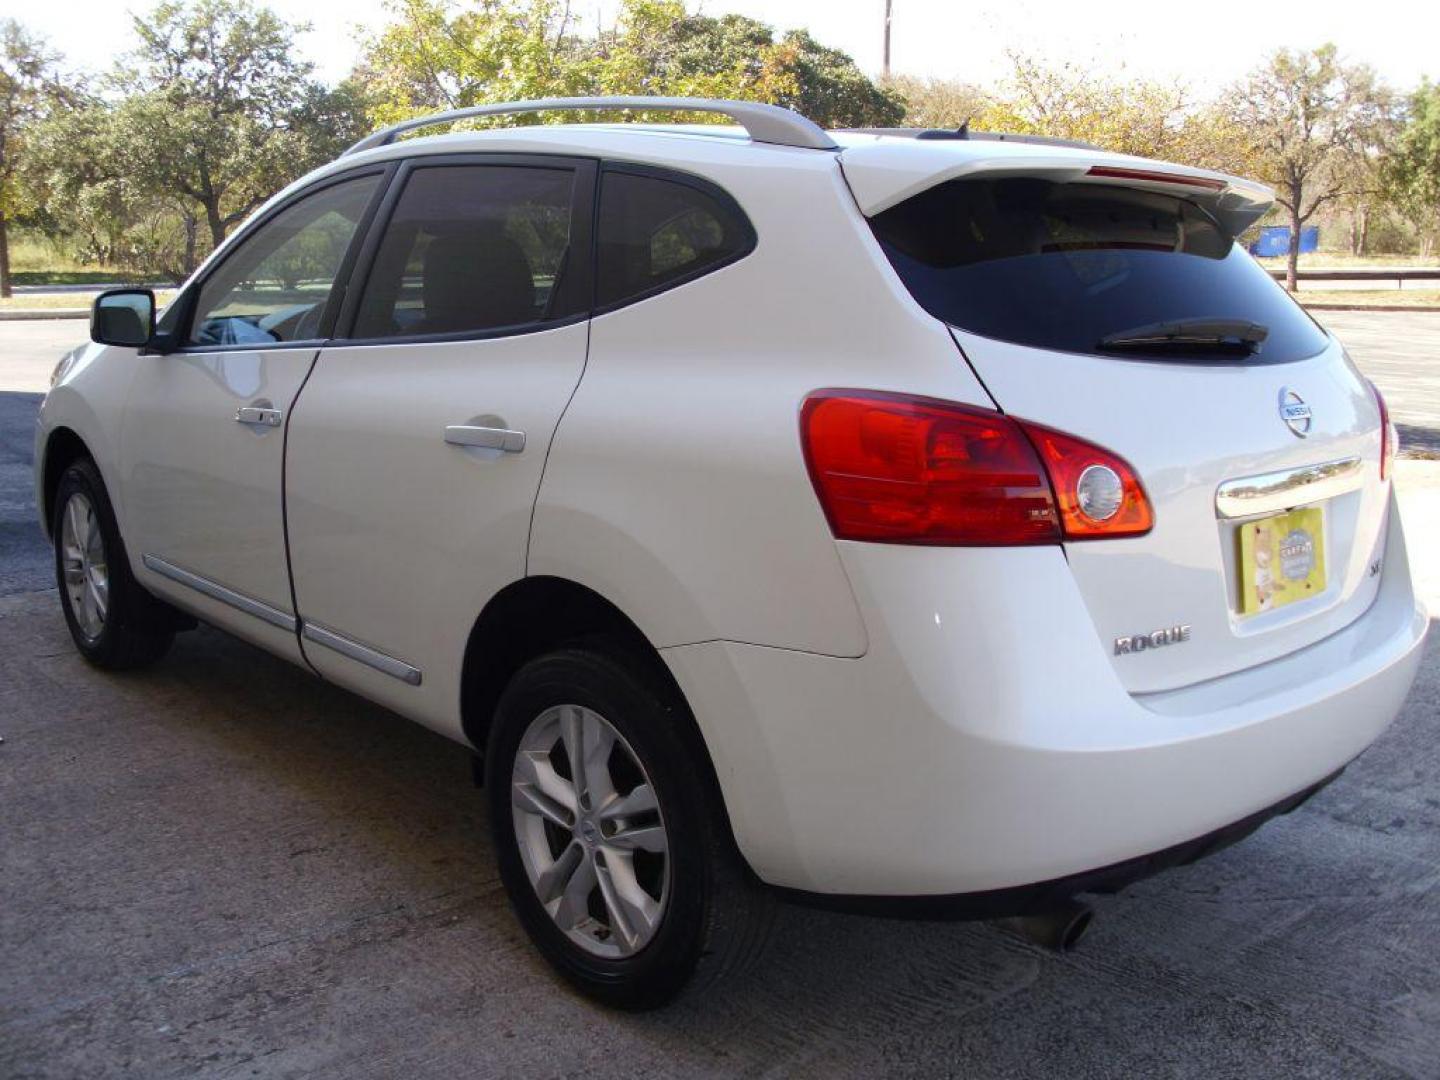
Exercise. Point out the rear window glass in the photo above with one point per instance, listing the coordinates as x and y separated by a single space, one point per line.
656 233
1063 266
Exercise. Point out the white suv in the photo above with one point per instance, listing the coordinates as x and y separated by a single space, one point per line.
936 523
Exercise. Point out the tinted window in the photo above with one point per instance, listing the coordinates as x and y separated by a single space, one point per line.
275 284
1062 266
469 248
654 233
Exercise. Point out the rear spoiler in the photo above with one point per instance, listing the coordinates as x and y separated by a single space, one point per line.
886 172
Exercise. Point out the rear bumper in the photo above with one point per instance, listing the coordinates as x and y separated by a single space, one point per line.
1042 896
983 743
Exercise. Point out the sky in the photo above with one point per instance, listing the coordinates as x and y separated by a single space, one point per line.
1207 47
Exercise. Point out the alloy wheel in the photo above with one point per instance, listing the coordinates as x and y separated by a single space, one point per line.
590 832
83 560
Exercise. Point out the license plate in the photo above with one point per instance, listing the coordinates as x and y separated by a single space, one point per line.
1282 560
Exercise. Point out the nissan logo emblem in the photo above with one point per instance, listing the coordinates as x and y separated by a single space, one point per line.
1295 412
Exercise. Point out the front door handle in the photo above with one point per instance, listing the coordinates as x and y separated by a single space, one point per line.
254 414
491 438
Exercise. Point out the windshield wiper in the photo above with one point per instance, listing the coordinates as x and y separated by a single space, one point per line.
1238 335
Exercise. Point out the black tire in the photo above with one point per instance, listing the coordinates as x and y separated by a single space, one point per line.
137 629
717 917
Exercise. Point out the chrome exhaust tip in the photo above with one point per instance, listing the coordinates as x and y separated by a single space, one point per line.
1058 930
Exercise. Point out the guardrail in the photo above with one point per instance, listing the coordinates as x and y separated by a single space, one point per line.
1399 275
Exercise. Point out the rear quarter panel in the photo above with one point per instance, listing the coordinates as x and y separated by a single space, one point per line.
676 485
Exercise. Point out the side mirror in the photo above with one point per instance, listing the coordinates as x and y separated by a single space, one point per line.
123 317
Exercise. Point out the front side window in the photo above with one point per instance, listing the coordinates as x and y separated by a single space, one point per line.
469 249
1074 266
655 233
274 286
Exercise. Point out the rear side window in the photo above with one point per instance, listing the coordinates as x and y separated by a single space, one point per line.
469 248
1064 266
657 232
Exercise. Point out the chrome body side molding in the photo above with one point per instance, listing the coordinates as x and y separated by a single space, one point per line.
1285 488
397 669
239 601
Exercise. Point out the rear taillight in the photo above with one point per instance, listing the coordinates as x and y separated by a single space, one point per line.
1389 437
897 469
907 470
1098 492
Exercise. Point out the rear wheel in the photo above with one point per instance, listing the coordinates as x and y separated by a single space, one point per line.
611 841
113 621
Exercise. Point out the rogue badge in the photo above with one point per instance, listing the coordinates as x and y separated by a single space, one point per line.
1171 635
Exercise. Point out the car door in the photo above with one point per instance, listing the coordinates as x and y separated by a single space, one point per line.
203 439
416 449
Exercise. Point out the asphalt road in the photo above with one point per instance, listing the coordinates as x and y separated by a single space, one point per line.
24 558
224 867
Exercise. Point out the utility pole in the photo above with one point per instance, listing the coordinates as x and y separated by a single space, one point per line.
885 59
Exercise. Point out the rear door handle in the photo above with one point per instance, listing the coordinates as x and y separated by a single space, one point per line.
491 438
253 414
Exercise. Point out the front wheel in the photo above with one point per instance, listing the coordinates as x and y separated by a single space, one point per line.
113 621
610 838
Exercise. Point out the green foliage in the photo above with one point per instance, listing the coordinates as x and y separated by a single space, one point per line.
208 117
1149 119
214 110
29 88
225 109
938 103
435 56
1318 126
1412 172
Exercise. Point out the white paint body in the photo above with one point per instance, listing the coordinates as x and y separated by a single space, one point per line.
882 719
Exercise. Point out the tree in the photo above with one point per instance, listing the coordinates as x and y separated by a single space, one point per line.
830 89
29 86
430 58
1411 173
218 110
434 57
937 103
80 168
1150 119
1314 122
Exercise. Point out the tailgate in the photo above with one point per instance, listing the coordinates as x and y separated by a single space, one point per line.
1188 430
1110 301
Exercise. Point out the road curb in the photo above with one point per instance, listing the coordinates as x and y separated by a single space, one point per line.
22 314
1367 307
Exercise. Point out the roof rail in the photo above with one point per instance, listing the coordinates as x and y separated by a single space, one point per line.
765 123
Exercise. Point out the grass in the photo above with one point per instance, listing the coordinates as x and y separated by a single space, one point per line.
1410 298
1343 260
74 277
36 301
55 301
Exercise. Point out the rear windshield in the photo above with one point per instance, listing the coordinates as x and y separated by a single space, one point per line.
1063 266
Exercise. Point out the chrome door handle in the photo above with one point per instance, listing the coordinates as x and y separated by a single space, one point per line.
491 438
252 414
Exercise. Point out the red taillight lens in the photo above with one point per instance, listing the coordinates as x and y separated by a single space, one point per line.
906 470
1389 437
1124 511
896 469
